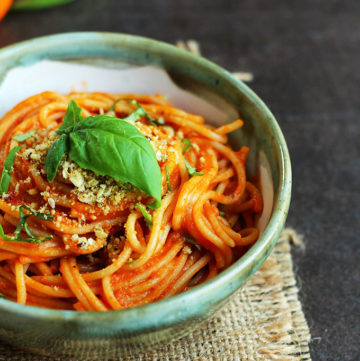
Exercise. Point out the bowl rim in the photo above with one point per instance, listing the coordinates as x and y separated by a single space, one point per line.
263 246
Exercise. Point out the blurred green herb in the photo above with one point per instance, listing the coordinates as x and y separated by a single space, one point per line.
20 5
168 177
23 224
146 215
192 171
188 145
190 240
21 137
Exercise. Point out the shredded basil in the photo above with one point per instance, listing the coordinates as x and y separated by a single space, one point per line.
1 295
222 214
137 114
168 178
107 146
188 145
134 116
7 170
22 137
130 260
146 215
23 224
190 240
192 171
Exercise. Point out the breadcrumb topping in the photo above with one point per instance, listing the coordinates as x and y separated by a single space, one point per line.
89 187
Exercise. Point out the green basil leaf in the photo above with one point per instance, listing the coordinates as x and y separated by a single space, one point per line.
134 116
1 295
137 114
55 155
44 216
146 215
188 145
168 177
113 147
4 236
155 204
190 240
192 171
8 169
23 224
72 116
21 137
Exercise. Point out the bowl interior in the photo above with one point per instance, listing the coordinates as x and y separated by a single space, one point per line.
201 87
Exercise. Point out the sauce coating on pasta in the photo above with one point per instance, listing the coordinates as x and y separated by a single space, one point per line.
89 242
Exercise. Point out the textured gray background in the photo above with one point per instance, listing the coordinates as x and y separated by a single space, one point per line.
305 56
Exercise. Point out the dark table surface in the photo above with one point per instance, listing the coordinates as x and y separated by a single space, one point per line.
304 56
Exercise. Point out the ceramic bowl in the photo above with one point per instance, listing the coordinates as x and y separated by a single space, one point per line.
116 333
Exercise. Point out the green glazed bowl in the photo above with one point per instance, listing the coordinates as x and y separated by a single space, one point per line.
94 335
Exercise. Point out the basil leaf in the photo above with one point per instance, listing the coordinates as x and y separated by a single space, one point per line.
8 169
222 214
168 177
190 240
113 147
146 215
72 116
1 295
44 216
188 145
55 155
192 171
155 204
4 236
23 224
134 116
21 137
137 114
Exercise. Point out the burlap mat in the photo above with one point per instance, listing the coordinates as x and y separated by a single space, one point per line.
264 321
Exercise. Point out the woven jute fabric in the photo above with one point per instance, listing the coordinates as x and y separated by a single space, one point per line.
264 321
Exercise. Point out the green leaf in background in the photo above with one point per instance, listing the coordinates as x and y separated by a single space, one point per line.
7 170
20 5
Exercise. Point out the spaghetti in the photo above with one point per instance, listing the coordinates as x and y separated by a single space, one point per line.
108 248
